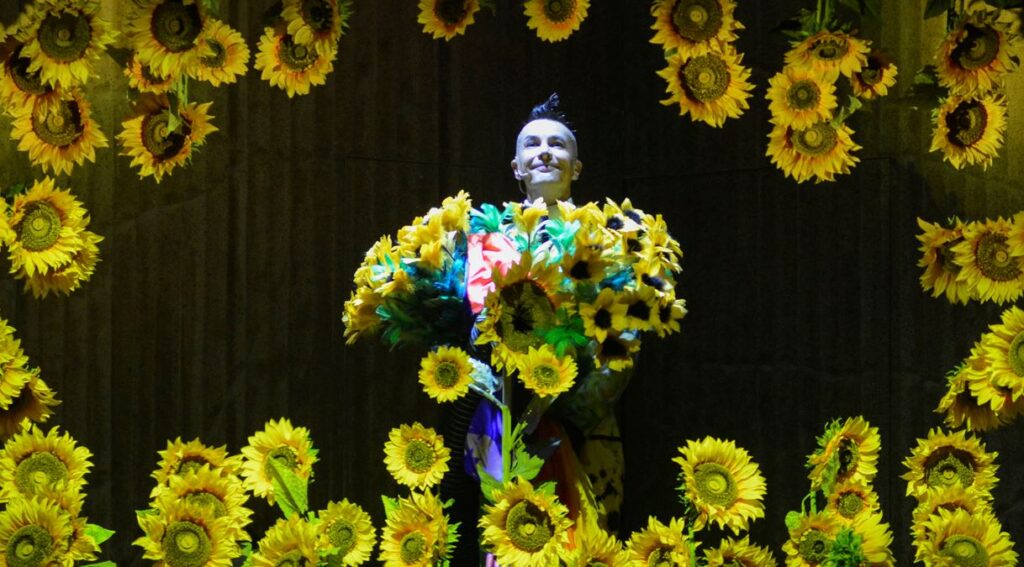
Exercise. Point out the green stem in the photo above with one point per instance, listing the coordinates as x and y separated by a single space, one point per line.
692 544
817 14
506 430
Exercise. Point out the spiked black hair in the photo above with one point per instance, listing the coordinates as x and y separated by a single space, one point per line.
550 110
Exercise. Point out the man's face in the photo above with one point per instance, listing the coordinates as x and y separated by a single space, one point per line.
546 160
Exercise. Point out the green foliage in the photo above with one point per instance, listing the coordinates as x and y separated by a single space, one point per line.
16 189
547 488
99 534
212 6
524 464
488 484
793 520
101 564
853 105
390 505
925 90
846 550
567 333
178 98
246 548
937 8
871 8
289 490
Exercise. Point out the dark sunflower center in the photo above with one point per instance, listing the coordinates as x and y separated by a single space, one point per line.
967 123
849 456
580 270
176 25
964 551
526 308
947 258
528 527
603 319
342 535
1015 354
816 140
994 259
419 456
665 313
28 82
850 504
217 54
284 456
65 37
705 77
41 469
978 48
295 56
159 140
697 20
318 14
715 484
615 223
39 230
950 470
814 546
446 375
830 48
186 544
207 501
190 464
545 376
639 310
414 547
29 546
661 557
59 126
803 95
872 72
559 11
451 12
612 347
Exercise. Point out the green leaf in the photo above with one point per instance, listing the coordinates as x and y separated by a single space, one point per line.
289 489
526 465
488 484
846 550
146 512
793 520
99 534
101 564
212 6
936 8
390 505
547 488
16 189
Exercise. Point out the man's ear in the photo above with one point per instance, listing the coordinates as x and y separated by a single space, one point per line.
576 169
519 175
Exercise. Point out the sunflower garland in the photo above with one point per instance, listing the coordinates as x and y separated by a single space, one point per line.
829 54
661 544
447 18
289 65
64 40
156 147
224 55
950 459
165 34
32 462
57 135
20 89
799 98
34 532
739 552
694 27
555 20
976 54
969 130
68 277
960 538
46 228
417 532
316 23
290 541
939 260
34 402
181 458
710 87
847 451
876 77
13 372
222 496
820 151
990 266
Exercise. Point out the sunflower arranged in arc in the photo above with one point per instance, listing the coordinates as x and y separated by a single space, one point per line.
34 402
820 151
990 266
950 459
811 540
345 534
155 144
165 34
721 482
46 229
709 88
739 552
222 496
969 130
34 531
555 20
57 135
224 55
829 54
876 77
1004 351
948 498
22 90
290 541
141 78
289 65
799 99
316 23
525 526
447 18
939 260
13 360
32 462
847 451
181 458
962 408
694 27
960 538
976 54
282 443
64 41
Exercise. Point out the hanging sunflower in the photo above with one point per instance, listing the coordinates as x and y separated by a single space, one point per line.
67 277
811 540
181 458
64 42
820 151
694 27
416 456
345 534
851 500
58 135
658 544
142 78
315 23
524 526
222 496
34 402
876 77
153 146
854 443
555 20
799 99
46 225
963 409
20 89
291 66
722 483
990 266
949 459
829 54
969 130
31 462
13 374
446 373
447 18
960 538
416 533
939 261
739 552
165 34
545 373
278 441
975 55
33 532
1004 352
224 55
183 533
710 87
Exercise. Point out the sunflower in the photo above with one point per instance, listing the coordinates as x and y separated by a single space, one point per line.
290 541
45 228
740 553
961 406
876 538
591 544
821 150
524 527
447 18
67 277
18 23
810 540
949 498
222 496
416 533
65 40
950 459
81 546
13 374
990 266
416 456
184 533
165 34
555 20
975 55
33 532
360 316
57 135
710 87
224 56
605 315
153 146
20 89
446 373
799 98
279 441
969 130
315 23
181 458
829 54
345 534
642 307
291 66
694 27
960 538
616 351
1004 351
34 402
939 261
854 443
722 483
142 78
31 461
850 500
658 544
876 77
670 312
587 263
545 373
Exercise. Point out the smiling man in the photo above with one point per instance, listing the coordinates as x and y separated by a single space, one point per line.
546 161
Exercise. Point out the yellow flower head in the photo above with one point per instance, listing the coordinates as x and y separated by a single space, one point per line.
416 456
829 54
800 98
291 66
220 495
949 498
279 441
446 373
1005 355
67 277
524 526
642 308
165 34
855 444
616 351
360 316
586 265
950 459
21 89
181 458
851 500
555 20
876 538
876 77
315 23
290 541
811 540
975 55
344 531
45 228
34 402
939 261
820 151
416 533
963 409
723 484
31 462
992 268
605 316
447 18
545 373
710 87
968 130
13 373
658 544
142 78
592 545
694 27
959 538
33 531
670 312
223 56
81 546
153 146
740 553
65 40
58 134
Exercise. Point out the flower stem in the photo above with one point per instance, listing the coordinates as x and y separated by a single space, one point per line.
817 15
506 430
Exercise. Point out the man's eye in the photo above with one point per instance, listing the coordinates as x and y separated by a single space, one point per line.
557 144
532 144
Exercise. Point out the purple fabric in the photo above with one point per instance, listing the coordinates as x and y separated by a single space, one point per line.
483 441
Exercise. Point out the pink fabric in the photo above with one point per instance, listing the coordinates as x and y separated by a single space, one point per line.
485 253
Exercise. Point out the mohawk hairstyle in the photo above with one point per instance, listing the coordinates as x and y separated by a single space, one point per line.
549 110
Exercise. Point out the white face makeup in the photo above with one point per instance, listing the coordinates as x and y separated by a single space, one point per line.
546 160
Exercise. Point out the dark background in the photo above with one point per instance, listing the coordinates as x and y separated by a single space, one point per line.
217 304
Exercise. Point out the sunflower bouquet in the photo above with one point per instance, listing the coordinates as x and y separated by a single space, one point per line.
849 529
809 137
952 476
